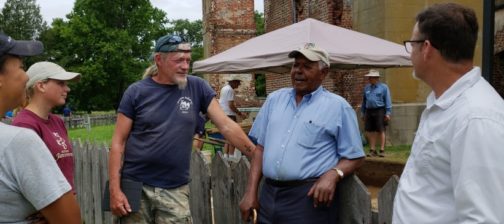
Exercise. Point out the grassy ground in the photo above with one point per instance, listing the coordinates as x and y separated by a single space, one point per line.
98 134
104 134
398 153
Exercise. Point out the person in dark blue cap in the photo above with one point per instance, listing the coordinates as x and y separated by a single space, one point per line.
33 188
155 125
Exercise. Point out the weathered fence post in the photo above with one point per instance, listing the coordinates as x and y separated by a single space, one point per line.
200 197
386 200
240 173
354 201
222 188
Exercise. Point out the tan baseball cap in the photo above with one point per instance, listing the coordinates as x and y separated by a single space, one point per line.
312 53
48 70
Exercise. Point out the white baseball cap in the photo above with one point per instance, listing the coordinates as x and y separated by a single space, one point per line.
312 53
373 73
48 70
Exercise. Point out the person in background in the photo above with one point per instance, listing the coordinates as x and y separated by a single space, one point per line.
227 102
310 138
47 88
30 180
376 109
454 173
67 112
156 121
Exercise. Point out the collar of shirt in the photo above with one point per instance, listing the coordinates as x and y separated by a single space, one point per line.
308 97
449 96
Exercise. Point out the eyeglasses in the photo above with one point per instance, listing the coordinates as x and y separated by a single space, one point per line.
408 44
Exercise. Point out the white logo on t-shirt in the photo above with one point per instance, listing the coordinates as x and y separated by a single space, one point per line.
184 104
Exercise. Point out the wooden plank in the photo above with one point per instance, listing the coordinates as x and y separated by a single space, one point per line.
354 201
86 177
77 148
96 182
222 188
108 218
240 174
200 198
386 200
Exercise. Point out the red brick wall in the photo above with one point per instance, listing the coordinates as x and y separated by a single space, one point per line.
227 23
278 14
498 66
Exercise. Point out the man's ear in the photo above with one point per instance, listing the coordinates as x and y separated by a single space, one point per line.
428 49
324 72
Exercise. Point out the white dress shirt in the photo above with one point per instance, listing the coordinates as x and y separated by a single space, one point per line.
455 173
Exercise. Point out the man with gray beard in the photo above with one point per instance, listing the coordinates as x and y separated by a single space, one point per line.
156 121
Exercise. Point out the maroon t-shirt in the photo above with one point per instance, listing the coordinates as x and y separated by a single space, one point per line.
54 135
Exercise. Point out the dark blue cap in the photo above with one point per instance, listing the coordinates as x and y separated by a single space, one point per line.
19 47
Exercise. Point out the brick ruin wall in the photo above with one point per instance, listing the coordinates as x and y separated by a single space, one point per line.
498 63
227 23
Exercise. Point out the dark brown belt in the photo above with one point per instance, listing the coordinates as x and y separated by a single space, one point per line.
289 183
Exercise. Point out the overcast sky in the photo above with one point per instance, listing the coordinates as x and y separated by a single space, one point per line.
175 9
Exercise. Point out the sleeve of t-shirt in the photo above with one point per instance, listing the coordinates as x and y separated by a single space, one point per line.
208 95
126 106
38 178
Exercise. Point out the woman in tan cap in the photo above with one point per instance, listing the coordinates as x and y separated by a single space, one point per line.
30 180
47 88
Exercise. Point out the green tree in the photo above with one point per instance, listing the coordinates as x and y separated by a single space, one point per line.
109 43
21 19
259 21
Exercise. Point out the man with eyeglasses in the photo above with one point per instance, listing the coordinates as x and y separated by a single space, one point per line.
454 173
156 121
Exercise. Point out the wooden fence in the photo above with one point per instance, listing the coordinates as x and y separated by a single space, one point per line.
216 189
87 121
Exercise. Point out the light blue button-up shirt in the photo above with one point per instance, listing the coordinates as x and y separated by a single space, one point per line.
306 140
376 96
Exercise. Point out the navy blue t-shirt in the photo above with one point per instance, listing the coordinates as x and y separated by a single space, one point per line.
158 149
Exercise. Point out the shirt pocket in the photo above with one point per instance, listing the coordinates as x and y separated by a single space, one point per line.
422 151
310 134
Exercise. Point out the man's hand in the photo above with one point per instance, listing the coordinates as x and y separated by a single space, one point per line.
119 204
387 118
323 189
248 202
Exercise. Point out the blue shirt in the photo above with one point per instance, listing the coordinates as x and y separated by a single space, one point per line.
158 149
376 96
306 140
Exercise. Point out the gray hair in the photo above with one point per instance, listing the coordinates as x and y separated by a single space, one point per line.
322 65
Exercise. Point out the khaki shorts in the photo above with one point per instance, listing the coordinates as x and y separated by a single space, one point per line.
162 206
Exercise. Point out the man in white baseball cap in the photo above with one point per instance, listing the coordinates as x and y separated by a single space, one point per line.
309 140
375 111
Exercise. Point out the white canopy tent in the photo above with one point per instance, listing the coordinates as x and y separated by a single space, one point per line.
347 49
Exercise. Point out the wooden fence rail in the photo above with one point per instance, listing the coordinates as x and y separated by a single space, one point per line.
216 189
87 121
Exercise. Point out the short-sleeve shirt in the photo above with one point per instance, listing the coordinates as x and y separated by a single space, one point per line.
54 134
158 148
226 95
30 180
306 140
